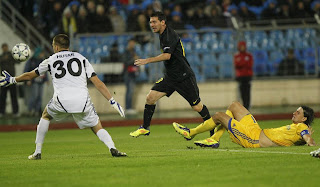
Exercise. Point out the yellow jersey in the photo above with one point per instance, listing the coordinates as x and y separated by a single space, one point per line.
287 135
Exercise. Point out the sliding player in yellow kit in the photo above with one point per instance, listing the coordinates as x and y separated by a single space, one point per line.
245 131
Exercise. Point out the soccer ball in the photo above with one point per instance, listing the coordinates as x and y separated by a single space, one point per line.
21 52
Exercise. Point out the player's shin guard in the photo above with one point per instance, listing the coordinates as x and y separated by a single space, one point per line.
203 127
204 113
42 130
147 115
105 137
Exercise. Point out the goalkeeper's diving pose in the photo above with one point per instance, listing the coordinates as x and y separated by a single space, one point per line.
69 71
245 131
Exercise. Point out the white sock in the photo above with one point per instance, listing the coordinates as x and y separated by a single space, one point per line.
42 129
105 138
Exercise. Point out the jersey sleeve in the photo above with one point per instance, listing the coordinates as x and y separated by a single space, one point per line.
43 67
89 69
170 42
303 130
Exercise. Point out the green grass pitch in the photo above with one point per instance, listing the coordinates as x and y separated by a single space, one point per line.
78 158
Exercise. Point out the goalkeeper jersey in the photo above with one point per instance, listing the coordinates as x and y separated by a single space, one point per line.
287 135
69 71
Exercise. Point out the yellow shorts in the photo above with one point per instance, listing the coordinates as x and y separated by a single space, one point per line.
245 132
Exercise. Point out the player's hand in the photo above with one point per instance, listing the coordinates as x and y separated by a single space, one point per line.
117 106
315 153
140 62
6 79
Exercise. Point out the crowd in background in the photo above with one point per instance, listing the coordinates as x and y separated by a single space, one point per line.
102 16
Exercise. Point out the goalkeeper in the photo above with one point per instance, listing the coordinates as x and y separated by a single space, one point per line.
69 71
245 131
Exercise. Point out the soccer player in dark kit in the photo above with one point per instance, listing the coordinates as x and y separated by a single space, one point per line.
178 75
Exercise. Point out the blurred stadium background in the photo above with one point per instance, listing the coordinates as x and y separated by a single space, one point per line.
209 43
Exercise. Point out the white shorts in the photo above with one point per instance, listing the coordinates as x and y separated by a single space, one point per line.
85 119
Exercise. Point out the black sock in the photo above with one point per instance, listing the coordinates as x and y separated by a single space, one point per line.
147 115
204 113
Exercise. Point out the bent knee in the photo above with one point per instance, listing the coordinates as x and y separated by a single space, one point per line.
234 104
197 107
150 100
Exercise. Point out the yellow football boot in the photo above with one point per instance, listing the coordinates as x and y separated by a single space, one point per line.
140 131
182 130
209 142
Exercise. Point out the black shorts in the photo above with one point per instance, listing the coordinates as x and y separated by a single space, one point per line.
187 88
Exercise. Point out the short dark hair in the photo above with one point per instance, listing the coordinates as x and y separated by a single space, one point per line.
62 40
308 113
160 15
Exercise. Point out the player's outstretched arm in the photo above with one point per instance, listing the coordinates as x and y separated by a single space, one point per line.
7 79
310 141
161 57
103 89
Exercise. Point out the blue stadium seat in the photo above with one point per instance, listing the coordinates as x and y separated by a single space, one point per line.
147 49
252 45
211 65
209 37
259 35
105 50
290 34
139 51
226 36
225 58
230 46
309 56
187 47
98 52
248 35
194 59
123 39
260 62
276 35
121 48
268 44
202 47
283 43
227 70
108 40
142 77
226 65
274 61
309 35
194 36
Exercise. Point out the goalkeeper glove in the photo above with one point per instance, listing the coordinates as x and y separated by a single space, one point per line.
7 79
117 106
315 153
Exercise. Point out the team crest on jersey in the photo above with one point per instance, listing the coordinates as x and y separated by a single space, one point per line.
288 127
